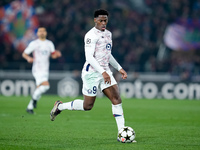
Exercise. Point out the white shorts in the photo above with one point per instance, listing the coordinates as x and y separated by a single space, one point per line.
94 81
39 78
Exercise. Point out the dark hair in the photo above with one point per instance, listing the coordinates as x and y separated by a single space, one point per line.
41 27
100 12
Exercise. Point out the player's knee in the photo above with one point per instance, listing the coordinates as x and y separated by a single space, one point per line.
116 100
44 88
88 107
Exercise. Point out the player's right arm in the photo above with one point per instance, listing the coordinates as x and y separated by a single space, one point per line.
90 43
27 52
27 57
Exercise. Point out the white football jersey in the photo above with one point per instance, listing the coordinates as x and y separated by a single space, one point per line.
99 43
41 52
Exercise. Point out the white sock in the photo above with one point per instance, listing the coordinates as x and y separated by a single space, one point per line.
30 105
37 94
77 104
39 91
119 116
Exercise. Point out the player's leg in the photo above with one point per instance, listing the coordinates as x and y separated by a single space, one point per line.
76 104
42 86
41 89
112 93
79 104
36 95
89 91
88 102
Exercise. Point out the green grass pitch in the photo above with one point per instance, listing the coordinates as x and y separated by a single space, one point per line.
159 125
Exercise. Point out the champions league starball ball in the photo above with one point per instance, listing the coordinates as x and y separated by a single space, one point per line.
126 135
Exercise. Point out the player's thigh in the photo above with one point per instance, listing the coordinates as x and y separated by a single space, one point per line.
90 85
104 85
45 83
113 94
41 79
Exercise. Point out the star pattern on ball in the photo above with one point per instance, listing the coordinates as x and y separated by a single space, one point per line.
120 135
126 129
127 137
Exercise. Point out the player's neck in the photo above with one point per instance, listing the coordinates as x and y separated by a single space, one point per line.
42 39
98 29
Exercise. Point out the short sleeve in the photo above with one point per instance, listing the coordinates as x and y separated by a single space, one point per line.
90 41
30 48
52 47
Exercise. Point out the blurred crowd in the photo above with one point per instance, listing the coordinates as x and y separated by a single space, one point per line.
138 27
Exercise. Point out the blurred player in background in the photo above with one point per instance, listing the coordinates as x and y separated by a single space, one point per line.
42 49
96 74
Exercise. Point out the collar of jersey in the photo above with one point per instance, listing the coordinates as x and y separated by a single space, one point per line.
99 30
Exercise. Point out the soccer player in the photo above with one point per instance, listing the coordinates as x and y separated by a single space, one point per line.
96 74
42 49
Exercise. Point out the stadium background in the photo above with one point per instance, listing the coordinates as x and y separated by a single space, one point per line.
157 42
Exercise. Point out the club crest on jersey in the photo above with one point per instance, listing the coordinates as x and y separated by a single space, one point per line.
88 41
89 91
108 46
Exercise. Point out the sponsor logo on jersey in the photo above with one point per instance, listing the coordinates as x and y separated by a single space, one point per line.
108 46
44 52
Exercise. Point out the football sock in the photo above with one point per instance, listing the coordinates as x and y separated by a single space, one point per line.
39 91
37 94
77 104
119 116
30 105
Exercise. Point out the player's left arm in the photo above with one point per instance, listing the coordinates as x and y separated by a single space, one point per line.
123 73
56 54
117 66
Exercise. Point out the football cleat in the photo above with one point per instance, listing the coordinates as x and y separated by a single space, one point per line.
134 141
30 111
55 111
118 139
34 103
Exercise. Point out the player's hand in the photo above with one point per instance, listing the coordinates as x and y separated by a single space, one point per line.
58 53
123 73
30 60
106 77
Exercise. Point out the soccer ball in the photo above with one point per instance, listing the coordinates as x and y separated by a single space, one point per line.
126 135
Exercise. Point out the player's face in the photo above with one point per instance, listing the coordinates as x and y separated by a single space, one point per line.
101 22
42 33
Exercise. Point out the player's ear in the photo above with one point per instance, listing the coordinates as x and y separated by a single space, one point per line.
95 20
37 33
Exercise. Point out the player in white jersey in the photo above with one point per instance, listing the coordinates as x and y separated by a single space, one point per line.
96 74
42 49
